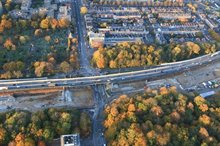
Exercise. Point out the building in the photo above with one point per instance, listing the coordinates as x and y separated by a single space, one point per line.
207 94
211 24
174 15
96 39
25 5
70 140
64 12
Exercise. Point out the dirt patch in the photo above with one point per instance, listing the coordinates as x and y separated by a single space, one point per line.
71 97
194 77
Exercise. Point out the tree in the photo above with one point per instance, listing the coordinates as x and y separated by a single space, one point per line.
38 32
12 143
73 60
203 133
34 24
48 134
17 74
20 139
40 68
131 108
175 116
163 139
9 45
29 142
64 23
22 39
1 28
203 107
6 75
114 111
176 51
47 38
6 23
156 110
44 24
204 119
65 67
214 35
156 119
23 23
3 136
199 100
54 23
84 124
26 129
41 143
83 10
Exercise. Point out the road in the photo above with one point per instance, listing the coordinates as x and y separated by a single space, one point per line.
98 82
83 46
165 69
99 94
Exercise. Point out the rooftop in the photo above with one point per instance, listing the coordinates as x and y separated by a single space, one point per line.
70 140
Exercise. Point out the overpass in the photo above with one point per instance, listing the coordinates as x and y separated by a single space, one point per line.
160 70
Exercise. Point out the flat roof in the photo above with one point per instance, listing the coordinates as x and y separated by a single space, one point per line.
206 94
70 140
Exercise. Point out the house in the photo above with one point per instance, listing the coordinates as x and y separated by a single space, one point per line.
96 39
70 140
25 5
211 24
64 12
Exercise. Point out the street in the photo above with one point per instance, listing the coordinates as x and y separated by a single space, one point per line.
83 46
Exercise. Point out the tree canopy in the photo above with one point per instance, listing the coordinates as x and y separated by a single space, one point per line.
165 117
25 128
126 54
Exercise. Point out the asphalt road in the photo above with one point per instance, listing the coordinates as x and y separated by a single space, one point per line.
97 128
83 46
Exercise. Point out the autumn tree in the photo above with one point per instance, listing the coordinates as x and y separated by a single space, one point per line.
99 59
45 23
9 44
31 129
47 38
65 67
38 32
3 135
159 119
203 133
63 23
54 23
204 119
214 35
41 143
84 124
40 68
83 10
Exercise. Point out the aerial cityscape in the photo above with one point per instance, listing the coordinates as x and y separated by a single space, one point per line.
109 72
